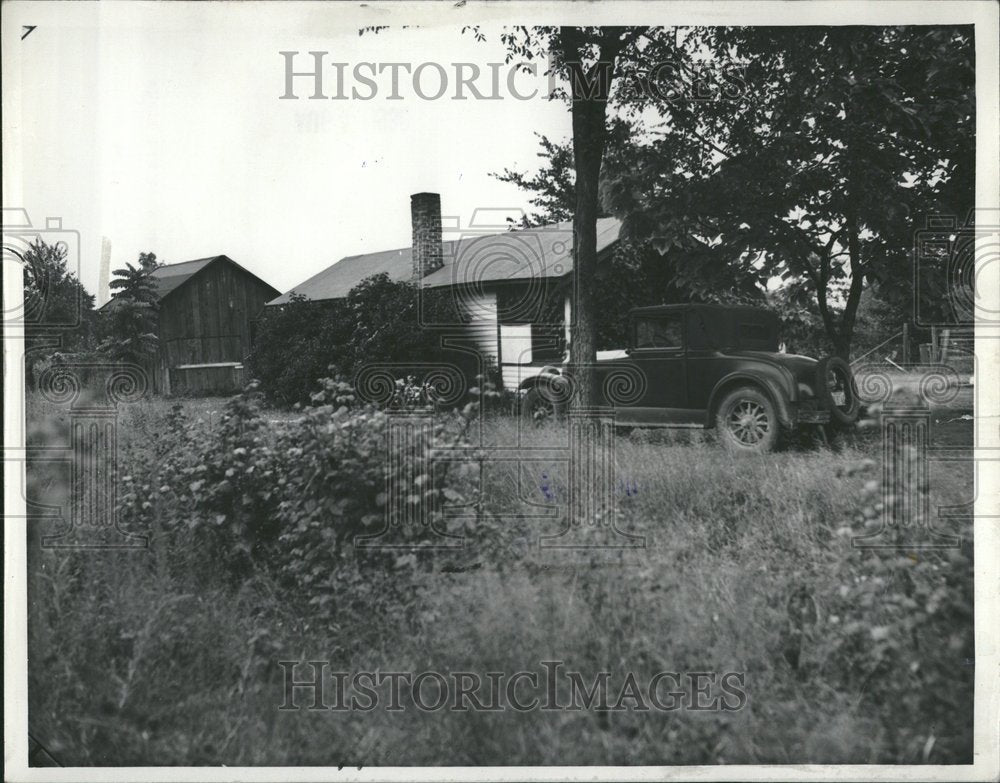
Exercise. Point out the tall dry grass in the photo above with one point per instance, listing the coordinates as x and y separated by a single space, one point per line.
849 657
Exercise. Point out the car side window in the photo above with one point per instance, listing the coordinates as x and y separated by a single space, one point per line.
659 332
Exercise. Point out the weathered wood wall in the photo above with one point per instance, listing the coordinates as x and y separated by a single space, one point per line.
206 321
206 380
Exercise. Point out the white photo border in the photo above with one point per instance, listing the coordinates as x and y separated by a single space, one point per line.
983 14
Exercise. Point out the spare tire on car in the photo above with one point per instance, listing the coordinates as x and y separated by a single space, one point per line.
837 391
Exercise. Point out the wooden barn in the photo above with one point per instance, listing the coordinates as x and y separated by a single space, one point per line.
207 310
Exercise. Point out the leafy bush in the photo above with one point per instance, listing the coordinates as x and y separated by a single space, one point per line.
294 347
900 625
339 485
378 322
246 498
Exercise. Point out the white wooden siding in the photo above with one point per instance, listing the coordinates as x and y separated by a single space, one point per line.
515 349
482 309
512 352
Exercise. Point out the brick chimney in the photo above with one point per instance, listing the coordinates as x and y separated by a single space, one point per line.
425 215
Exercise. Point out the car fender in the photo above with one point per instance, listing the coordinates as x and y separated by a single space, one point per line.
779 396
544 373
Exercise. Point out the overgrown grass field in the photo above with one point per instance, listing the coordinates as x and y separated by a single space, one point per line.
169 653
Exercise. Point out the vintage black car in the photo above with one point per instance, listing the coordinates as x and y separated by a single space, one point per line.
709 366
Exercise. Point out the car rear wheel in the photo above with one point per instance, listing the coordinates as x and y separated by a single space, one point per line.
747 422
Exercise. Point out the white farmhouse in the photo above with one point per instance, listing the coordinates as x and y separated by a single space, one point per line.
514 288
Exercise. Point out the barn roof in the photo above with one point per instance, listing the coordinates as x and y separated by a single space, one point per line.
169 277
475 258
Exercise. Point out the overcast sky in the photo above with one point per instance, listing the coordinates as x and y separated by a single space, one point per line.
160 127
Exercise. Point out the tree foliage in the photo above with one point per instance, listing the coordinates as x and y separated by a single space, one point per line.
131 317
810 155
552 185
607 86
58 310
823 168
634 273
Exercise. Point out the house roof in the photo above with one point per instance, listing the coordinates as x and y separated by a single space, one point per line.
169 277
337 280
474 258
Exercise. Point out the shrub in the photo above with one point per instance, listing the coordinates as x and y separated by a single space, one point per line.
246 498
380 321
210 491
294 347
899 625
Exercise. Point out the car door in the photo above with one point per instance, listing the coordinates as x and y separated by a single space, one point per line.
659 354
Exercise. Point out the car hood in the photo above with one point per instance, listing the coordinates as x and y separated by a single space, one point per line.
790 360
798 365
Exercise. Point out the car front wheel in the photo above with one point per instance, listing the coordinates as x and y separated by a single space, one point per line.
747 422
538 407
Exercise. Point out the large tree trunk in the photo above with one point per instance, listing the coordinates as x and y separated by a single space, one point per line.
844 336
857 285
588 146
589 89
846 339
841 332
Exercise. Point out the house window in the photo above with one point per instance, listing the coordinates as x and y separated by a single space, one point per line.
531 330
664 331
547 343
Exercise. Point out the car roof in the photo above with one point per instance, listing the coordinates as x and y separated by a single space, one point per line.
713 308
